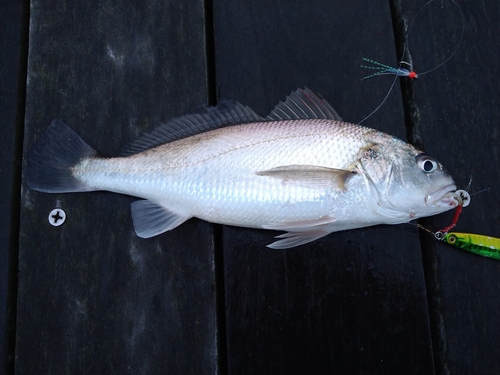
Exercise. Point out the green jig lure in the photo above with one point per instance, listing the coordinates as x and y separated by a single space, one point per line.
485 246
475 243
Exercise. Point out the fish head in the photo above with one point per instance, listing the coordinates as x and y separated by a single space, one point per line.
406 183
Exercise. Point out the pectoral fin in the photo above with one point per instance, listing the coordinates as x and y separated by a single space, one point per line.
310 176
151 219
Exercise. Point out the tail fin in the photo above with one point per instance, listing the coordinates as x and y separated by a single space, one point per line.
52 157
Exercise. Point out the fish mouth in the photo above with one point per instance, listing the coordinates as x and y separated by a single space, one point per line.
444 197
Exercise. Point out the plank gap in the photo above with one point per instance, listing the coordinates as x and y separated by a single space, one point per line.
16 22
210 53
220 293
427 244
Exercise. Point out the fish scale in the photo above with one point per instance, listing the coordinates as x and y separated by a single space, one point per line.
308 176
260 148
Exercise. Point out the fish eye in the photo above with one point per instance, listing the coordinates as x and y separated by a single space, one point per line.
426 163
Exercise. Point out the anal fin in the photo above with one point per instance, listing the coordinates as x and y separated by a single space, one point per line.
293 239
151 219
301 232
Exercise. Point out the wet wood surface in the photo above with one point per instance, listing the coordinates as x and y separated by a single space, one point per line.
94 298
352 300
457 113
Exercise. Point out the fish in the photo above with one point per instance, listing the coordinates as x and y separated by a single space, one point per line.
301 170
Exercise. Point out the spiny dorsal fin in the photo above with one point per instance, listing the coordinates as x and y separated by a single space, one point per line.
226 113
303 104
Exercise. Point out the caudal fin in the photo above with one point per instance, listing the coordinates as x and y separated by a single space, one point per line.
52 157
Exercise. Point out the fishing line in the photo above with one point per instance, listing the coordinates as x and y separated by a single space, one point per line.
399 71
383 101
480 191
467 189
459 41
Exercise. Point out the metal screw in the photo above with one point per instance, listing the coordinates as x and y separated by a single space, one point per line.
57 217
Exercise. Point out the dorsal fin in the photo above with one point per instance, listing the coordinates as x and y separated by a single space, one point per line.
300 104
226 113
303 104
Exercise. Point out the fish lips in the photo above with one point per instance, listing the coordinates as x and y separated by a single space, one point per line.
444 197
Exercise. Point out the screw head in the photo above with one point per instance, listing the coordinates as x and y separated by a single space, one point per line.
57 217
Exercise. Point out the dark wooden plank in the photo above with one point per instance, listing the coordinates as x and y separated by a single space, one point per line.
353 302
93 297
13 47
458 110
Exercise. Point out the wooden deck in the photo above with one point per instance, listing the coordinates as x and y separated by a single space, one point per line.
90 297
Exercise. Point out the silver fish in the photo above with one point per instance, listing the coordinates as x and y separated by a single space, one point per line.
301 170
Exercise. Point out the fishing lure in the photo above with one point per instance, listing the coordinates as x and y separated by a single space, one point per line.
410 73
399 71
485 246
386 69
475 243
